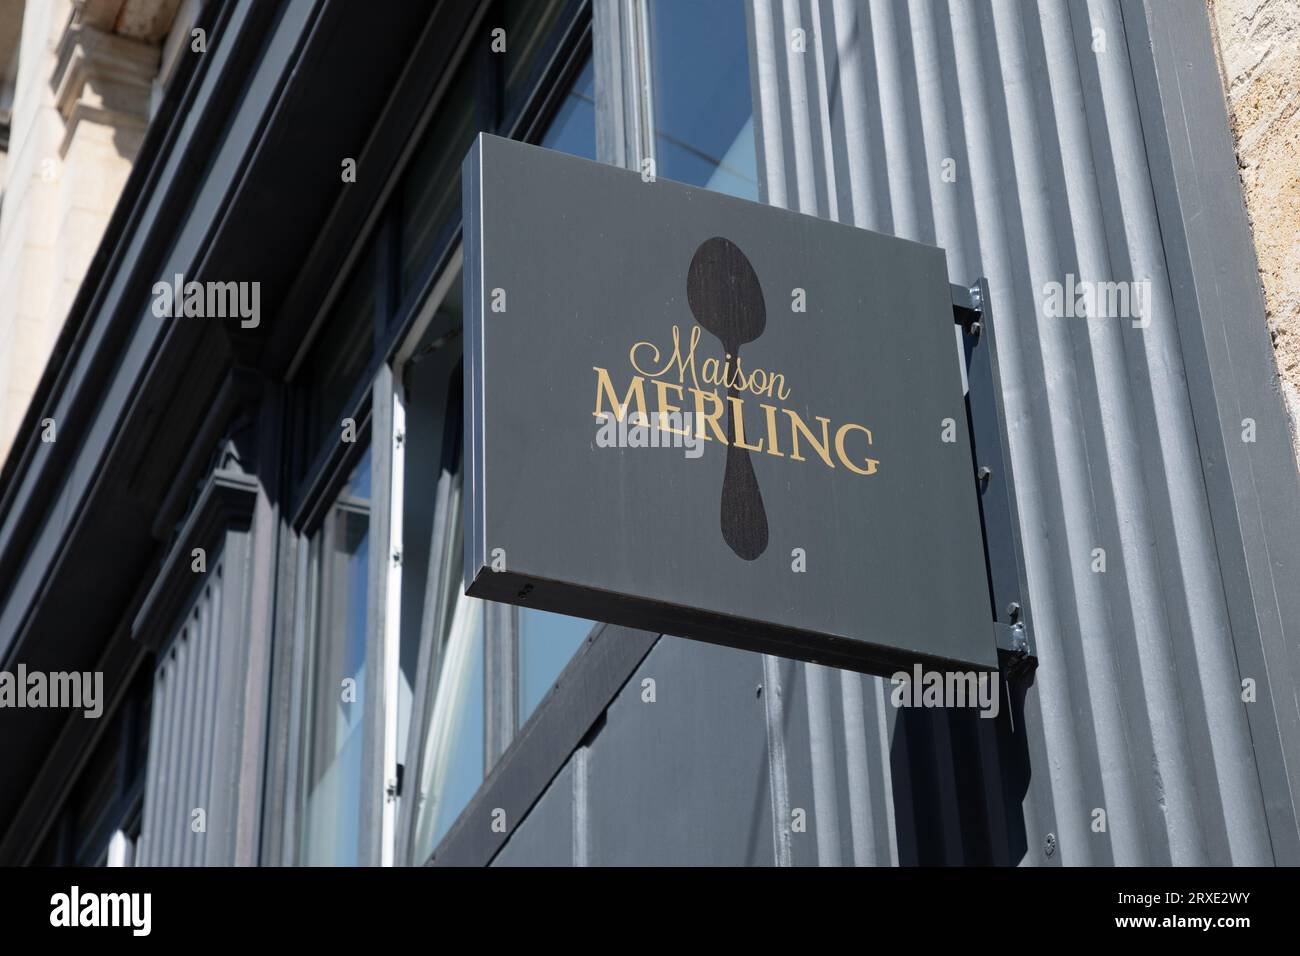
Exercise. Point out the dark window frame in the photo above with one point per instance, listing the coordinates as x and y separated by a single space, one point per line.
315 475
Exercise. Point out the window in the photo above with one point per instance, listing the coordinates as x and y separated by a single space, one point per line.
530 27
702 107
429 196
339 556
99 822
445 635
573 130
442 629
338 359
453 767
430 190
546 642
427 644
453 763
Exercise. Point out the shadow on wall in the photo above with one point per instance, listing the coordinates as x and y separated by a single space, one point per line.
959 781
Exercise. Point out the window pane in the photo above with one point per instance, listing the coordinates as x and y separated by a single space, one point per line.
451 759
430 189
546 642
528 25
339 358
433 389
340 554
573 130
452 753
452 765
703 111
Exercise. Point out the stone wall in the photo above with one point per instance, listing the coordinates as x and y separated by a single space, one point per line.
1258 45
85 81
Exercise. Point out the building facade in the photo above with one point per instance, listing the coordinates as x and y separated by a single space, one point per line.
242 505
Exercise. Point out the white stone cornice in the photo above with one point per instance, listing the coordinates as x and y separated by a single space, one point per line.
102 77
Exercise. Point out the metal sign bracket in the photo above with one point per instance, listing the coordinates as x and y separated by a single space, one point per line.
994 480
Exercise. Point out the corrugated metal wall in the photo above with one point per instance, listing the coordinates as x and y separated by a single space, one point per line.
1035 113
181 737
1136 707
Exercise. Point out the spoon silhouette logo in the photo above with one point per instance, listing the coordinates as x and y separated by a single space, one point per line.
724 295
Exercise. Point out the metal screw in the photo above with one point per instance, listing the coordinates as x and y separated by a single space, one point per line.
983 475
1018 639
1049 844
758 691
1013 612
975 330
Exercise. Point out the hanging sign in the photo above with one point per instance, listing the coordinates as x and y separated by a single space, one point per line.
713 418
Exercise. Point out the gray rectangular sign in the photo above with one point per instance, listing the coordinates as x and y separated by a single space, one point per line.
694 414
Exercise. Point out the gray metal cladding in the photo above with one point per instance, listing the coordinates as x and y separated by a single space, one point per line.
676 774
549 837
1136 707
181 738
